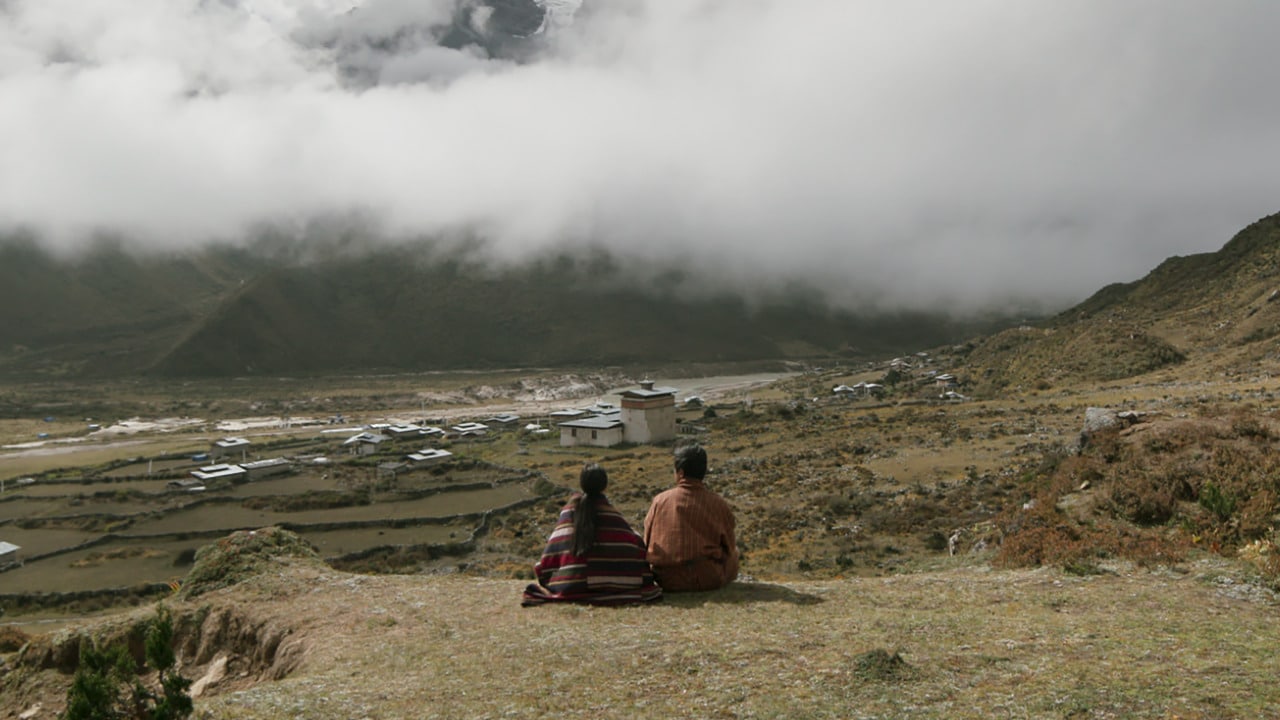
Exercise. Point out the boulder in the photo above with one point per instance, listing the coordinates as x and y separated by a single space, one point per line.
1097 419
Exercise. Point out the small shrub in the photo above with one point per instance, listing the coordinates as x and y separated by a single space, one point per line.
1082 568
12 639
172 701
936 541
106 685
834 504
1144 500
1265 557
1247 425
1042 544
1256 514
881 665
1213 499
97 690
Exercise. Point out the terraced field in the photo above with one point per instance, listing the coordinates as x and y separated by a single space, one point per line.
121 526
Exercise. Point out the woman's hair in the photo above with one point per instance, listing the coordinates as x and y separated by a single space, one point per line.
593 480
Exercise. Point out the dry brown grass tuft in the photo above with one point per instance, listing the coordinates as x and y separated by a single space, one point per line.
12 639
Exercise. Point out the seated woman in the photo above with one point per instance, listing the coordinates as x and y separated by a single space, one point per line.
593 556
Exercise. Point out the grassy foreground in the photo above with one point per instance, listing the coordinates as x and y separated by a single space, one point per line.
1195 641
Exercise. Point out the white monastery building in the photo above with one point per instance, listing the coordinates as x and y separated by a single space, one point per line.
648 415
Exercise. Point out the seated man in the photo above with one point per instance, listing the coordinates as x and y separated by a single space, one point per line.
689 530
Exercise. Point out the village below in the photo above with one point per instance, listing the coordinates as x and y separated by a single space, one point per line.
1074 518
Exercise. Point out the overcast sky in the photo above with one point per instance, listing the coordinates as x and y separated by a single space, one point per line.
913 151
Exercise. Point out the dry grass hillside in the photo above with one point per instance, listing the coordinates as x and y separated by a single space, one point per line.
1218 313
1135 577
302 640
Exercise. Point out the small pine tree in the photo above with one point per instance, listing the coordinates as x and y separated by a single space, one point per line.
98 690
173 701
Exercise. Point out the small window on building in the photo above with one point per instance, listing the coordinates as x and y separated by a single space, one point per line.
593 434
573 432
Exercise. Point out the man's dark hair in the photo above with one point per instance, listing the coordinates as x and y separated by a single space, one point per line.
692 460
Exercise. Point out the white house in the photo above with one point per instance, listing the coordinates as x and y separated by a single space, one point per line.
506 419
470 429
259 469
8 552
862 389
597 431
366 443
20 482
185 485
403 431
429 456
229 447
221 471
389 470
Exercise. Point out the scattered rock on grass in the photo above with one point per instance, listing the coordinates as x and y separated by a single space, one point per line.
880 664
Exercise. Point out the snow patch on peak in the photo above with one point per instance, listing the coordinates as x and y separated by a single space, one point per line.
559 14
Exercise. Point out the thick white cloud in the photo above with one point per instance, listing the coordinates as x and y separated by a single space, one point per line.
910 152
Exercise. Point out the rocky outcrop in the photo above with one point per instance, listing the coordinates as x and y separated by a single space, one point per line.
241 555
1098 419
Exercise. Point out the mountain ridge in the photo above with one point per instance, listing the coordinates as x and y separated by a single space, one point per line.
391 309
286 306
1216 311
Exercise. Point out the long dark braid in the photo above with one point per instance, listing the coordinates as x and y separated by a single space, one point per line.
593 480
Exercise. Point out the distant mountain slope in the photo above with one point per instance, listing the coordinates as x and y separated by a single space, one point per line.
393 310
295 309
311 306
1217 311
107 311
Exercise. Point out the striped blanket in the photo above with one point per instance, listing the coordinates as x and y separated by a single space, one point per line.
615 572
